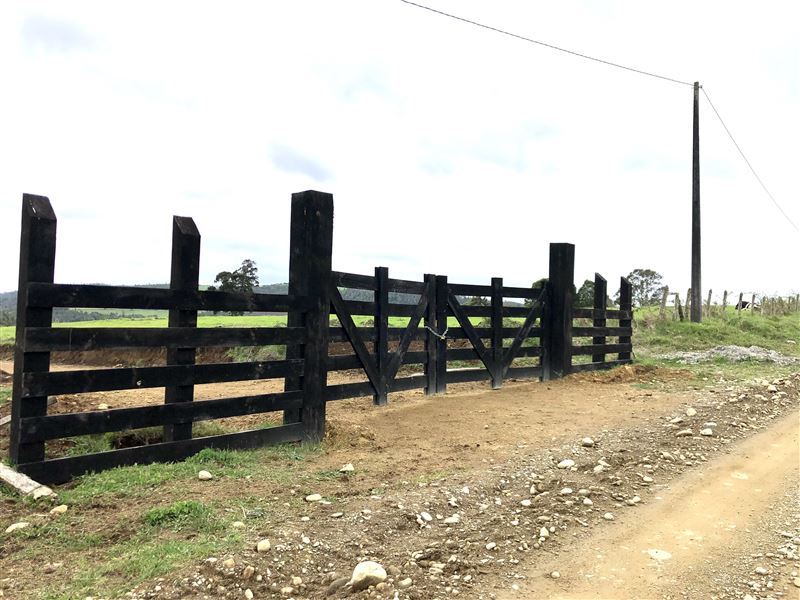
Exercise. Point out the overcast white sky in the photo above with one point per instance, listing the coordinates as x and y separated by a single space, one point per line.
448 149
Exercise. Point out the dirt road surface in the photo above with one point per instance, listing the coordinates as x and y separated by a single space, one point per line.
696 529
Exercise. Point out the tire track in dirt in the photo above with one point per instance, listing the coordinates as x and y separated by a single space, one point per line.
695 526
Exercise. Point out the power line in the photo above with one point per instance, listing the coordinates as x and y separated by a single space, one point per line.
619 66
545 44
730 135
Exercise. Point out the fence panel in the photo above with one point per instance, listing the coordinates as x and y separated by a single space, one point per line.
428 325
600 346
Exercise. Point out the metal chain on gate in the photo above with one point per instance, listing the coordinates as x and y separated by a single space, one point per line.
441 336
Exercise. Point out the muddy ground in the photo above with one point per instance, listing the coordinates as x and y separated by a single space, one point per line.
683 491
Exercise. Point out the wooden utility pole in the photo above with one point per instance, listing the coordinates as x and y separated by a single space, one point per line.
697 301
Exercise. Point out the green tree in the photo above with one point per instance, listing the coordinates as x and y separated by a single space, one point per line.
538 284
646 287
477 301
243 280
585 295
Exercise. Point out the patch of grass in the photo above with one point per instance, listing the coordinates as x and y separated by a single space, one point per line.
272 463
183 515
749 329
257 353
88 444
7 492
5 394
432 476
327 474
143 557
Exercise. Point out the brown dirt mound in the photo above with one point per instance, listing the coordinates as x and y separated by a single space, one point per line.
633 374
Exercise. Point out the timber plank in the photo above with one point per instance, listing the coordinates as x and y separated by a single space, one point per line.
40 339
125 297
103 380
119 419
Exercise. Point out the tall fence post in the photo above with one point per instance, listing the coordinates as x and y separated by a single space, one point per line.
558 312
310 246
497 332
37 257
184 276
441 328
431 339
662 315
600 290
381 334
625 305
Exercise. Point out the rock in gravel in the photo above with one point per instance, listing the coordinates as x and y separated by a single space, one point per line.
566 491
426 516
17 526
336 585
587 442
762 570
337 515
404 584
59 510
42 492
313 498
205 476
544 532
684 433
567 463
454 520
248 593
608 516
365 574
587 502
526 503
690 412
348 468
796 582
263 546
248 572
228 563
707 432
491 546
555 575
238 525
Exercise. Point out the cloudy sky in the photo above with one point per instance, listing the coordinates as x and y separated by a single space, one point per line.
449 149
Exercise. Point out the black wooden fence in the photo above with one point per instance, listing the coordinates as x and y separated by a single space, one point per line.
531 339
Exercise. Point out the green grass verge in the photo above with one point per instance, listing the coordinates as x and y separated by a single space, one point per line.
5 394
774 332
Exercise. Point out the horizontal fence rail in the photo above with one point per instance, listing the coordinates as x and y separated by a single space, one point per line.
396 335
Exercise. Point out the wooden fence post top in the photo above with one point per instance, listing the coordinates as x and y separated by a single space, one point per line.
38 207
185 225
314 197
598 277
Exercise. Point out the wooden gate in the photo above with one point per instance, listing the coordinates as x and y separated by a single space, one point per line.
497 358
381 366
